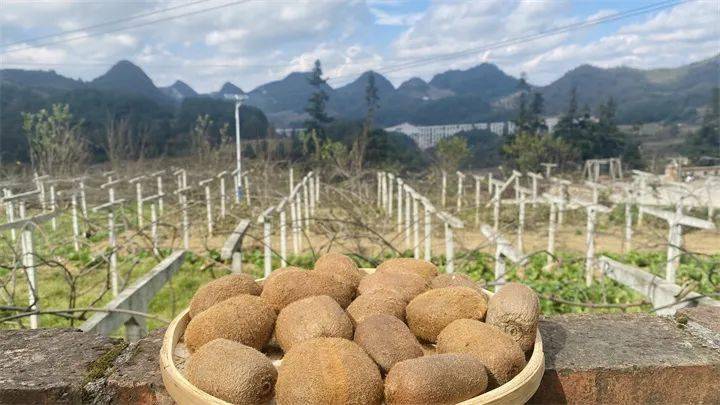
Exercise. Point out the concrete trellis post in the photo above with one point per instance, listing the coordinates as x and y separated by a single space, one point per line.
516 186
450 222
293 222
592 209
110 186
391 183
40 185
298 216
676 220
264 220
75 225
26 227
500 187
522 194
152 200
443 196
223 198
478 179
490 183
629 201
306 203
564 194
291 179
311 184
554 202
246 180
159 181
283 231
429 210
182 197
379 189
461 177
408 243
317 187
503 250
208 204
548 169
53 207
236 184
416 226
9 211
535 178
112 238
400 189
138 198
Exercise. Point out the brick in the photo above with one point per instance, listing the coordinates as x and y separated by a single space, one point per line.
51 365
629 358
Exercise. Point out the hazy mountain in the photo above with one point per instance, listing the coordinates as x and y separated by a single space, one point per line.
228 90
419 88
126 77
349 100
179 90
481 93
288 94
38 78
485 80
641 95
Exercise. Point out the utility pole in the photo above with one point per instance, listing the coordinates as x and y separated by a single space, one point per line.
238 102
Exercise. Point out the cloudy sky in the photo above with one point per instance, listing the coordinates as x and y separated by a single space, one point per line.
250 42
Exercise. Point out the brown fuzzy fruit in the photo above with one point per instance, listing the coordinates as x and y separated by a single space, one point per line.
422 268
387 340
232 372
436 379
430 312
341 267
387 302
244 318
328 371
290 286
406 284
515 310
454 280
501 354
312 317
221 289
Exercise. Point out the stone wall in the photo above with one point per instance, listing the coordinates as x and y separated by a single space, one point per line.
625 358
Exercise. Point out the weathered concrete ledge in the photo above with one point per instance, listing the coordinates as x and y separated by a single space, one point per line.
590 359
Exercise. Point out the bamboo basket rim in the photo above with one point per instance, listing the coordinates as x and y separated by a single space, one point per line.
518 390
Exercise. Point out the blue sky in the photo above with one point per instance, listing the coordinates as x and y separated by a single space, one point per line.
250 42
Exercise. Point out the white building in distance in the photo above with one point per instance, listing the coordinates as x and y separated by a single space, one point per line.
428 136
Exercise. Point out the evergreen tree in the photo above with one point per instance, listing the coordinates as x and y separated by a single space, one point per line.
316 108
360 145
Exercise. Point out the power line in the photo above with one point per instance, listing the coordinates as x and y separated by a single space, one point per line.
102 24
142 24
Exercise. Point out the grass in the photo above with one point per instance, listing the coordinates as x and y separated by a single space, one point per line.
566 281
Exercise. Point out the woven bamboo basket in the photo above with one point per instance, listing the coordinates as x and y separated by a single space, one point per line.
173 355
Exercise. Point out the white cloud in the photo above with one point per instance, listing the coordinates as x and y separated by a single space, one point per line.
383 17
